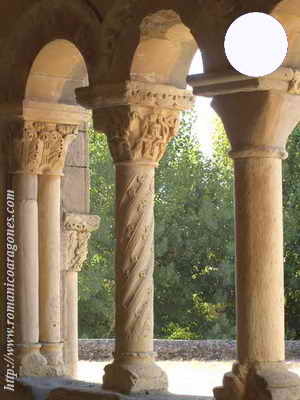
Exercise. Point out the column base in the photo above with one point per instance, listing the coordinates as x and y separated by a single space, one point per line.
53 352
30 361
259 381
135 373
71 370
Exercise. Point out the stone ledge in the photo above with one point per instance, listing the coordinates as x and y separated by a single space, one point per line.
206 350
67 389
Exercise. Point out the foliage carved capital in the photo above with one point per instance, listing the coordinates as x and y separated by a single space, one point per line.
39 147
77 232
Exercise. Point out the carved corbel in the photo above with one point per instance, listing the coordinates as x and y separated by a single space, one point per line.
77 231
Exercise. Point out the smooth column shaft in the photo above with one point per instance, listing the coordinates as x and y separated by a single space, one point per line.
71 323
25 187
30 361
259 259
49 240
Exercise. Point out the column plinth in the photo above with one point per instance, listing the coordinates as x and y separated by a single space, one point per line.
259 381
31 361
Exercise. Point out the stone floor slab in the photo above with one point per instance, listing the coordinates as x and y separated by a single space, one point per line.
62 388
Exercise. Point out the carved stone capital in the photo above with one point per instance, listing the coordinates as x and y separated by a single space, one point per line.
77 231
286 80
139 134
135 93
139 118
39 147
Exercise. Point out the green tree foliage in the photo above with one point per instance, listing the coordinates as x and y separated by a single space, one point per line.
194 235
194 242
291 202
96 281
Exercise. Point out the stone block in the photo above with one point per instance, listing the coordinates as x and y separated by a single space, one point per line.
82 394
78 152
76 189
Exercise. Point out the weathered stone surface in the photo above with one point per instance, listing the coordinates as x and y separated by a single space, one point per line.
131 30
77 231
231 81
75 186
49 272
260 381
67 389
136 93
30 361
39 147
78 152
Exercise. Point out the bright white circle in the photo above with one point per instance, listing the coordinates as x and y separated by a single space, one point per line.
256 44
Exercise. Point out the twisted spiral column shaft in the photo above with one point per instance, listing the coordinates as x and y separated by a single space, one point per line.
134 257
133 368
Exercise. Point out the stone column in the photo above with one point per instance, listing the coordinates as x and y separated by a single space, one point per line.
257 125
24 165
139 120
259 279
77 231
55 140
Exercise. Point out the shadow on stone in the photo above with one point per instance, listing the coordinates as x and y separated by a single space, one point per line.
62 388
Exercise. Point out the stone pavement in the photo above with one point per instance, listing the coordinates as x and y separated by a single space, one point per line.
60 388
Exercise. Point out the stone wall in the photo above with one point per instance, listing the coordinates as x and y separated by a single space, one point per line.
101 349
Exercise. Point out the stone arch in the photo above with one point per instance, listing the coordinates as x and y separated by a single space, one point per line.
288 13
207 21
56 72
122 32
58 125
165 50
68 20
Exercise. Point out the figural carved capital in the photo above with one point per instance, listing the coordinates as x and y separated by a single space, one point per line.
138 133
138 118
39 147
77 231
